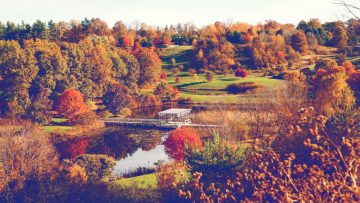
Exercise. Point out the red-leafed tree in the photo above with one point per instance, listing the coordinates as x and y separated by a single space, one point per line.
180 138
71 105
241 73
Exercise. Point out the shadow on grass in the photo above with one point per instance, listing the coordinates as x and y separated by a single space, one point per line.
228 79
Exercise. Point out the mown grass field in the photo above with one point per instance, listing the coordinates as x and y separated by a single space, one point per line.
58 125
144 181
201 91
182 55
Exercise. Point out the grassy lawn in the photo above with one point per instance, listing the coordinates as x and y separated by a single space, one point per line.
180 53
219 82
144 181
58 125
201 91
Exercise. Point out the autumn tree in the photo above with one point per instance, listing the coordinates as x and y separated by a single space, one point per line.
166 91
150 65
325 64
118 100
71 104
339 34
299 42
333 94
119 30
133 69
98 64
177 141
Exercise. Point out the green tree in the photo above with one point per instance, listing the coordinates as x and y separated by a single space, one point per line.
217 160
18 70
40 30
10 32
52 67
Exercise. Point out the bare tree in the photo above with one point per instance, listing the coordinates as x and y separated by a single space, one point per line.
351 7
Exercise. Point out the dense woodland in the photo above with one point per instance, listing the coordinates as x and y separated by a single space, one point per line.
69 69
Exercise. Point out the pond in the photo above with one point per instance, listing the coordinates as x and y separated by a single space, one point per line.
132 148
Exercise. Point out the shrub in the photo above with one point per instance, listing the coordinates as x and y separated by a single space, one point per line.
241 73
26 155
178 139
97 166
242 87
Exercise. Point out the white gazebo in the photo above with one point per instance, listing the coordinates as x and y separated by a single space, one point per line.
175 116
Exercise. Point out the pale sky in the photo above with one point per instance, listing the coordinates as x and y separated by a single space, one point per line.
162 12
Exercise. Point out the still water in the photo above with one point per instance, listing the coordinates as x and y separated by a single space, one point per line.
131 148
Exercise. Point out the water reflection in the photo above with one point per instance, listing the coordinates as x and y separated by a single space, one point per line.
132 148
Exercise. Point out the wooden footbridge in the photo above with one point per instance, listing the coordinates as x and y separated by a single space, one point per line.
151 123
169 119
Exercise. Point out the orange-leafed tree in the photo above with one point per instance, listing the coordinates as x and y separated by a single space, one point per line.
71 105
180 138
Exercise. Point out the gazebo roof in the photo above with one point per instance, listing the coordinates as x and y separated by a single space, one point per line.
175 111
